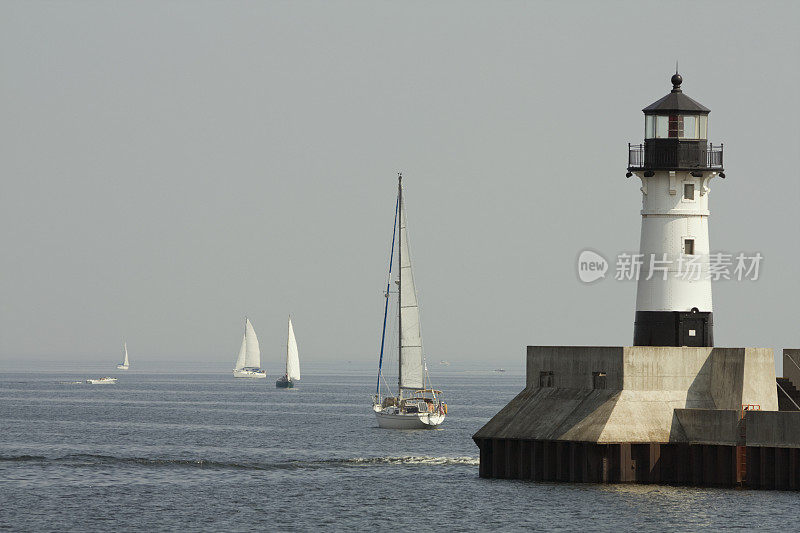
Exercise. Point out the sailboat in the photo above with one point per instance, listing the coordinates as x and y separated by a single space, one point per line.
248 362
292 374
416 405
125 363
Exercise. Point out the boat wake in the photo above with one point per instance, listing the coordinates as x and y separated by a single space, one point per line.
91 460
416 460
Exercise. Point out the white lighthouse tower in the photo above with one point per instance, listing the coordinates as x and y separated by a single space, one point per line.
675 164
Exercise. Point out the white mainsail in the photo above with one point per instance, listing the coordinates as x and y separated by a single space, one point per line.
242 350
252 358
292 356
125 358
411 366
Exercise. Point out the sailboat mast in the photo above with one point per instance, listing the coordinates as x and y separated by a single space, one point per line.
400 289
287 346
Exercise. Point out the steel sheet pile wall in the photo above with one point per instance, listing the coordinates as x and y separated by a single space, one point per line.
669 464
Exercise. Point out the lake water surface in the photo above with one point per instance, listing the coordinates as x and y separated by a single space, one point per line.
209 452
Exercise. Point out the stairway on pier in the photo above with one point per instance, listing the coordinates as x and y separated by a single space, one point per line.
784 401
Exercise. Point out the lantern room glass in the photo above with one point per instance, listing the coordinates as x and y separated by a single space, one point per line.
675 126
690 127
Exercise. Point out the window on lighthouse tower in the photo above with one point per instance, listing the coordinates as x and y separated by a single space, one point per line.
689 127
675 126
656 127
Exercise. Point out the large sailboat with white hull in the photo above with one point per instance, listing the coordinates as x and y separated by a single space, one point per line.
416 405
292 375
248 362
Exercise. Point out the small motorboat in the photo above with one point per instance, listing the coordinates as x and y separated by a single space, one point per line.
102 381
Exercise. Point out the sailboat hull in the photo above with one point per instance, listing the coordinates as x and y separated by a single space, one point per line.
259 374
284 383
122 367
390 420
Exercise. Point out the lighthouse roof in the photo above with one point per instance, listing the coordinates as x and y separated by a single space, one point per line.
676 102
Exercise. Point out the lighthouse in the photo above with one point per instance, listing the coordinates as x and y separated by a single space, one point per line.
675 165
673 408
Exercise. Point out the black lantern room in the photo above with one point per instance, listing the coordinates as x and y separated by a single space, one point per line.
675 136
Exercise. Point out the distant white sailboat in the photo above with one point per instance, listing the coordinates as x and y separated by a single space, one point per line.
248 362
292 374
125 363
416 405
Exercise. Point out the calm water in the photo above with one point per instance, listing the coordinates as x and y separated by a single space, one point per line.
207 452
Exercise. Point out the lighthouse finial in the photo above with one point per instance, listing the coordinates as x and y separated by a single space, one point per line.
676 80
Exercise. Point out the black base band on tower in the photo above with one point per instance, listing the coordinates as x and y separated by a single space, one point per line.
673 328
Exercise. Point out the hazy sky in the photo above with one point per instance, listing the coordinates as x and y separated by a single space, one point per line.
168 167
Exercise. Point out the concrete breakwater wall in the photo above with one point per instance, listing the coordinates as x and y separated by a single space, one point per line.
679 415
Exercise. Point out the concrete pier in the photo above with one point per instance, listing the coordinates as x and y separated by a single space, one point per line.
675 415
